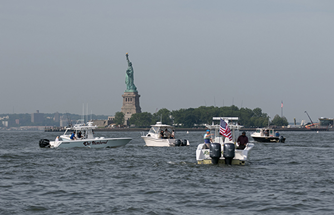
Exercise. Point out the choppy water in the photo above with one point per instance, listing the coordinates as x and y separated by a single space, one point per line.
295 177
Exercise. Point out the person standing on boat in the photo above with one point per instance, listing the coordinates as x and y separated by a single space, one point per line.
172 136
166 134
242 141
207 139
277 134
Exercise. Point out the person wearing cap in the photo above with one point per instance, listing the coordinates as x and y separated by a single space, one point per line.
242 141
207 139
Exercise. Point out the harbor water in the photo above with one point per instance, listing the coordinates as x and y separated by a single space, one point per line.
295 177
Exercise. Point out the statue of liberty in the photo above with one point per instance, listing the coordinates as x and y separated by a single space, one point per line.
129 79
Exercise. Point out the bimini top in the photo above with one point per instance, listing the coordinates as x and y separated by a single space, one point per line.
82 127
159 124
231 121
155 129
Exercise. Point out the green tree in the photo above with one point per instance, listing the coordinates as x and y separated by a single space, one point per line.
119 118
141 120
257 112
163 115
187 117
279 121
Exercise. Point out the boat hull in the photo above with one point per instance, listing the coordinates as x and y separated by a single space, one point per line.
268 139
91 143
222 162
150 141
240 158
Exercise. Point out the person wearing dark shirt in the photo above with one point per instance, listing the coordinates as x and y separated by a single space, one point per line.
242 141
266 133
79 134
161 134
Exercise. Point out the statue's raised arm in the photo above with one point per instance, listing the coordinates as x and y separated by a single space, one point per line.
127 58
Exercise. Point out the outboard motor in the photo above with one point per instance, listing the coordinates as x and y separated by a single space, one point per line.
281 139
229 153
44 143
177 142
215 152
184 142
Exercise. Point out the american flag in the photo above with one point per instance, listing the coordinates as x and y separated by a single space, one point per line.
224 129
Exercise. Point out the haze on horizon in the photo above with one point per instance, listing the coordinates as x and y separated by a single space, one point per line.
56 56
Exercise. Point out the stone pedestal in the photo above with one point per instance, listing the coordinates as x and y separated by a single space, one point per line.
130 105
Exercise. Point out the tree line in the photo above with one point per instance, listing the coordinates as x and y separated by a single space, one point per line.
198 117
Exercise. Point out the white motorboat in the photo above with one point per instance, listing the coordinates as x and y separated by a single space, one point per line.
267 135
87 139
222 150
162 135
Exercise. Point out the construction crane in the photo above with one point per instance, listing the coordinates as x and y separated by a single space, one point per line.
308 126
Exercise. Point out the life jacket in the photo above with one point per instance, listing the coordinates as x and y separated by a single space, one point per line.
206 139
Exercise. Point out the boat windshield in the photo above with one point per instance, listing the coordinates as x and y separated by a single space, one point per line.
154 129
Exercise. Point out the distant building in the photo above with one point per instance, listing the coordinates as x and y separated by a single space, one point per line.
63 122
56 118
104 123
100 123
37 117
17 121
326 121
5 117
5 123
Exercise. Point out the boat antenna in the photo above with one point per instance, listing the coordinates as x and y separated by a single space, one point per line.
83 113
87 113
69 121
161 118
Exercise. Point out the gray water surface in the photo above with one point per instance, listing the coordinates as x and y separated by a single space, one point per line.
295 177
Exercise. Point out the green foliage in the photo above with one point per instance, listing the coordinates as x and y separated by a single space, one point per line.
163 115
279 121
191 117
119 118
203 115
141 120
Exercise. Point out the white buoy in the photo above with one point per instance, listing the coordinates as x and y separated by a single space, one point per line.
187 132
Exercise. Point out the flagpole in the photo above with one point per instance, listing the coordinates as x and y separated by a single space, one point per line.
282 109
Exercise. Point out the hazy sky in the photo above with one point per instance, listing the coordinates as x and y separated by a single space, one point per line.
58 55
